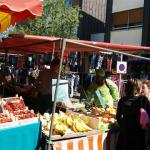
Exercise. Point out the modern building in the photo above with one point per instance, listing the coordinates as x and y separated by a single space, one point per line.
93 20
116 21
130 22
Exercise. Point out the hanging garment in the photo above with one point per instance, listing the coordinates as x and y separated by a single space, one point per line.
100 61
109 64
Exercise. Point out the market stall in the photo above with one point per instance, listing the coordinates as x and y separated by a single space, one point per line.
21 137
93 142
19 126
26 44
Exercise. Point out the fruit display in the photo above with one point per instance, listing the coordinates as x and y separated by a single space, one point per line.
99 111
15 111
77 124
24 114
12 99
64 124
4 118
100 118
106 117
14 106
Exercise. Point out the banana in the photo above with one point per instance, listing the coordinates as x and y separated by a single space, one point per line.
55 122
75 117
63 116
65 128
79 127
69 121
74 128
86 127
57 128
85 119
60 128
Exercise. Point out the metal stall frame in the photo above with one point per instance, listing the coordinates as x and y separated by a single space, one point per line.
63 47
24 44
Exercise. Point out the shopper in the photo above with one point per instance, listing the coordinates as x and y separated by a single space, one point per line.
146 88
146 92
102 90
44 86
132 136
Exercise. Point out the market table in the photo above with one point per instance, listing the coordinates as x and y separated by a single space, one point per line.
24 137
101 141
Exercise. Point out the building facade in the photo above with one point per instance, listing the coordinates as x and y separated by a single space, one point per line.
93 20
130 22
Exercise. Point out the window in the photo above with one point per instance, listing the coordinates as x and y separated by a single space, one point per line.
72 2
128 18
75 2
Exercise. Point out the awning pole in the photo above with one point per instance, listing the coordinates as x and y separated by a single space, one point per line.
120 76
6 56
63 46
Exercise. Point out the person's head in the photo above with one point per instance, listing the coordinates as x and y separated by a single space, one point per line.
145 88
133 87
55 64
100 77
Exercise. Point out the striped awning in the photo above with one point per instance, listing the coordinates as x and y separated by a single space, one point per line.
102 141
14 11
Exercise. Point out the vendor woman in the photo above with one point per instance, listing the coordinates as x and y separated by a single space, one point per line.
103 91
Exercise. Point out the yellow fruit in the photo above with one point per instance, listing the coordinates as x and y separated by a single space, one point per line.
74 128
79 127
59 128
86 127
105 120
85 119
75 117
55 122
63 116
69 121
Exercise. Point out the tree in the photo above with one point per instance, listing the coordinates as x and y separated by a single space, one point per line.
57 20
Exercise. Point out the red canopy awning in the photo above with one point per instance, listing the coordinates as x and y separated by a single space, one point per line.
41 44
20 10
33 6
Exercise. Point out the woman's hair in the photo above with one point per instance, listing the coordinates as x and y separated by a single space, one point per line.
133 87
147 82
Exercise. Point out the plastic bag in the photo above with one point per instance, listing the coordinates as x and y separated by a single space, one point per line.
144 118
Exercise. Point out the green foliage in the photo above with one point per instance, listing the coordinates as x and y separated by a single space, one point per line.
57 20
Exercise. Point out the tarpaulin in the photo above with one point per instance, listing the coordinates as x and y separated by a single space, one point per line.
23 44
25 137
